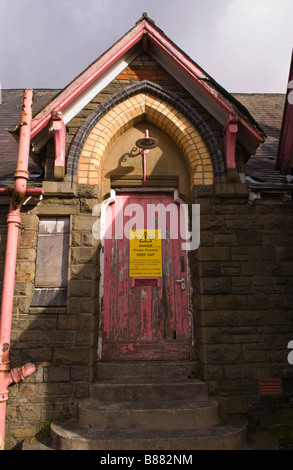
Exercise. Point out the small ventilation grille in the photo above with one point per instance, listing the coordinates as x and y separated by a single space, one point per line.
270 386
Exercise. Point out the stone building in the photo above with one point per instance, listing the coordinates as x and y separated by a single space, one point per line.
144 126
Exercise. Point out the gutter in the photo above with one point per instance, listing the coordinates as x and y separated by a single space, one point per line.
9 376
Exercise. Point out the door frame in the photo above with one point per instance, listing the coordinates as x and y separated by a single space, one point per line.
102 230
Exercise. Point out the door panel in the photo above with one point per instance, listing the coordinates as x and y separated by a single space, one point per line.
144 315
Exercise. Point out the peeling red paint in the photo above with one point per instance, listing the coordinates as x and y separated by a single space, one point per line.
144 318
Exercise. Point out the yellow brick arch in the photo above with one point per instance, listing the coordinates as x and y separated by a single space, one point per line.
144 106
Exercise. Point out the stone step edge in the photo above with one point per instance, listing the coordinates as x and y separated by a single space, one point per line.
138 391
228 435
143 363
148 416
149 381
129 369
147 406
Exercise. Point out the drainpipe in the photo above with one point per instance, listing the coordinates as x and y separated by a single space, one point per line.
28 192
21 175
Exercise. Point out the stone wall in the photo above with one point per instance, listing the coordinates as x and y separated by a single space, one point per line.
243 297
61 342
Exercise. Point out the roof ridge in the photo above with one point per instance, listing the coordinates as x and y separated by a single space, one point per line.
145 17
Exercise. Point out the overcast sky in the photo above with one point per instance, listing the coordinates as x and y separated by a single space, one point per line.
245 45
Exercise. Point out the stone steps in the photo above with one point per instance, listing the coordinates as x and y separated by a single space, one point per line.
229 435
149 406
113 391
177 370
147 415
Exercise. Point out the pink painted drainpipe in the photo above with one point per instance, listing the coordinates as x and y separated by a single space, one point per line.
21 175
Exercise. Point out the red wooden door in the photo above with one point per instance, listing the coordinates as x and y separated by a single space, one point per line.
145 300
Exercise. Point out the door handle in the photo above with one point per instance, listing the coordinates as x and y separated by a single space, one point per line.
182 283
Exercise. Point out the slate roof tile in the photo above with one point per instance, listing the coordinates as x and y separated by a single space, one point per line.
10 117
267 109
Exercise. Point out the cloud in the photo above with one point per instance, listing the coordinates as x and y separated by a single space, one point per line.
255 38
244 45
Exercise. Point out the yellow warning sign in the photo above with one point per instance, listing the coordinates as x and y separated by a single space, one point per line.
145 253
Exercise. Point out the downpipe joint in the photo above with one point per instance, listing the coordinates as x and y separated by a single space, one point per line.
13 376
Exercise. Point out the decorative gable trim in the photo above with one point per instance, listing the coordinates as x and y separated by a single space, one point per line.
165 96
145 35
42 128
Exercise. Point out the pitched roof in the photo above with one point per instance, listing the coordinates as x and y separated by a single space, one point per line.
10 117
268 110
259 115
145 35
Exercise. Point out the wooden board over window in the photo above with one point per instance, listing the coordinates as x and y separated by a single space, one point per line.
52 255
52 262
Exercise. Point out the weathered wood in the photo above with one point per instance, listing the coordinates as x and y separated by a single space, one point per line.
52 253
144 317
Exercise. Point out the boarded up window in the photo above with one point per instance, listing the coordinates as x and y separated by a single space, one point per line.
52 262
